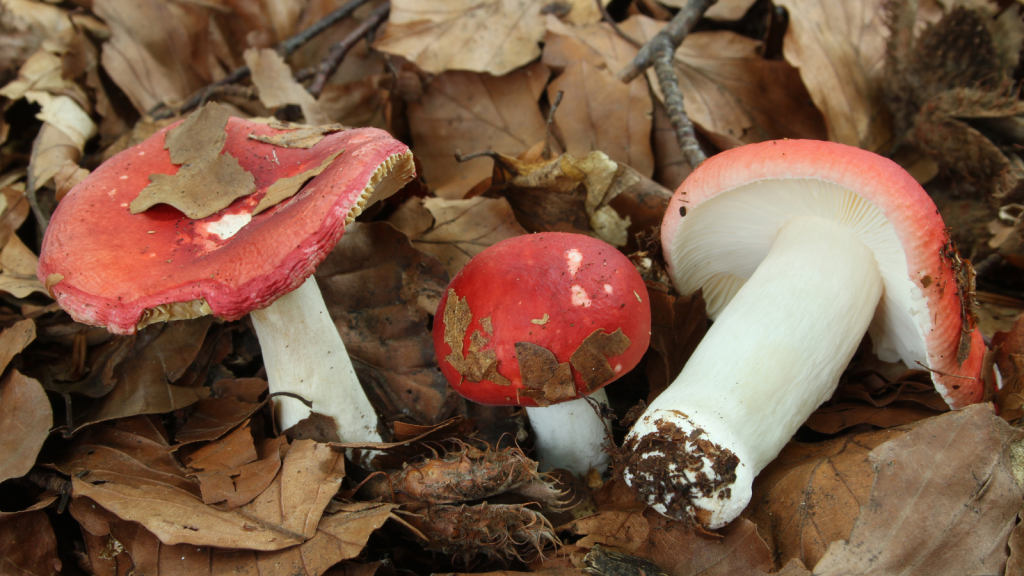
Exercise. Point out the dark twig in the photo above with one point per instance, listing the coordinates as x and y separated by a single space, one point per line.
659 52
615 25
337 52
550 133
285 49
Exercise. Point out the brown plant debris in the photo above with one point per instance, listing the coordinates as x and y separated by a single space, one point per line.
669 459
287 187
502 531
478 364
207 181
1003 371
547 381
297 136
591 358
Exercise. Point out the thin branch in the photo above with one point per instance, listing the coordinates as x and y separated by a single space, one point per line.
285 49
615 25
337 52
659 52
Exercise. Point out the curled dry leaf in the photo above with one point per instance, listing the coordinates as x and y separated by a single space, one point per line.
598 112
839 48
1004 371
380 291
115 546
231 471
456 230
277 87
25 421
733 94
19 269
28 545
474 112
232 402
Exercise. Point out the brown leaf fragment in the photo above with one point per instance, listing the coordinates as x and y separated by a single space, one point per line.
591 358
1004 371
211 418
955 470
277 87
678 323
287 187
478 364
14 339
230 452
316 427
547 381
1015 563
207 181
297 137
25 421
28 545
238 487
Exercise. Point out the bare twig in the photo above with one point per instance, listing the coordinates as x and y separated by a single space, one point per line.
615 25
659 52
285 48
337 52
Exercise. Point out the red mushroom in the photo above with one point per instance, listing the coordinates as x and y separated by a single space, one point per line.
109 267
799 247
541 321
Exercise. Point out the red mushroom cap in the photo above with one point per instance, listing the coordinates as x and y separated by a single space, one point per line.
954 347
568 310
108 267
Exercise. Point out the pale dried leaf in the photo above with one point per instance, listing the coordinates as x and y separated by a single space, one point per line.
14 339
277 86
64 114
25 421
954 470
491 36
456 230
19 269
725 10
474 112
51 151
839 48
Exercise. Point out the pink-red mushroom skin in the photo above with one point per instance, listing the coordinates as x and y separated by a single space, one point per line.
548 293
107 267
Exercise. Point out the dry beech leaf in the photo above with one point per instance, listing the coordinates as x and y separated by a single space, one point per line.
13 340
19 269
207 180
733 94
1004 370
474 112
233 402
277 87
491 36
385 328
867 396
157 52
456 230
51 150
545 379
297 136
25 421
287 187
341 535
28 545
839 48
65 114
1015 563
955 470
231 471
362 102
598 112
678 323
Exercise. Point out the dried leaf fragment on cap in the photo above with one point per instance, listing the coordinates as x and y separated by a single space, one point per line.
208 181
299 137
285 188
479 364
591 358
547 381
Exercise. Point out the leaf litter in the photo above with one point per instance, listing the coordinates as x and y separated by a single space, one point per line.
162 444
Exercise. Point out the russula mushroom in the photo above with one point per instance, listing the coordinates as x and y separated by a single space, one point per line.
799 247
108 267
541 321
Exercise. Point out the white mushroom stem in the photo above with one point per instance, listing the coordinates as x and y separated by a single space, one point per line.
571 435
773 355
304 354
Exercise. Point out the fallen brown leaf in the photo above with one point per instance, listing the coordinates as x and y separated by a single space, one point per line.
19 269
954 470
233 401
361 102
474 112
1004 371
678 323
232 470
28 545
380 291
869 397
839 48
1015 562
456 230
733 94
14 339
25 421
273 78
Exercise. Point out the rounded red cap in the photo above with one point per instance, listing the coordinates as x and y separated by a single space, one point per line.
108 267
541 319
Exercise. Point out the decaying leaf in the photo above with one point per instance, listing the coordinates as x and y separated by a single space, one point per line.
287 187
591 358
208 181
28 545
678 323
1004 371
14 339
546 380
25 421
297 136
19 269
273 78
471 112
477 364
456 230
380 292
232 402
231 471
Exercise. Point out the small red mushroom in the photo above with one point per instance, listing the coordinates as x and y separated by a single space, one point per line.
800 247
541 321
108 267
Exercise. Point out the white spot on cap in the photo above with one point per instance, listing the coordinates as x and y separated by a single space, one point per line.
124 204
123 177
573 258
608 289
618 368
579 296
143 153
228 226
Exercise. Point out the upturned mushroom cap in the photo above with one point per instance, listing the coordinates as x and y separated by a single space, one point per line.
723 219
541 319
111 268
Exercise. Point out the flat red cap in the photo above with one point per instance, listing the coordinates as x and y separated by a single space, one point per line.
953 347
541 319
108 267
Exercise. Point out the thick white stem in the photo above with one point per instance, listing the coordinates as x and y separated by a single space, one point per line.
571 435
774 355
304 354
